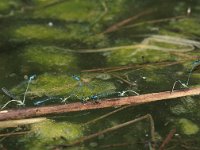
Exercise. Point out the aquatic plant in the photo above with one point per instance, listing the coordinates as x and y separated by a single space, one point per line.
156 48
188 127
48 58
50 87
42 134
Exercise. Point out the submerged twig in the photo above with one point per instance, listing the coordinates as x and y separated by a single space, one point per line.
14 133
105 8
137 66
106 115
123 80
16 123
112 102
189 147
126 21
167 139
148 116
115 145
111 69
154 21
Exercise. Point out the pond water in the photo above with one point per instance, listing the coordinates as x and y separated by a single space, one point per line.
63 51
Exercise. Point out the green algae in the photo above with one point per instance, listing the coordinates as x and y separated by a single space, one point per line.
188 127
156 48
188 26
73 24
70 10
51 133
4 5
93 12
65 85
195 77
53 33
187 106
52 85
41 32
69 34
44 2
66 129
49 58
7 5
138 56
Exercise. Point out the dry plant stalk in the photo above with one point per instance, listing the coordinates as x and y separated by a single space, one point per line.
126 21
16 123
78 106
106 115
138 66
155 21
14 133
116 127
167 139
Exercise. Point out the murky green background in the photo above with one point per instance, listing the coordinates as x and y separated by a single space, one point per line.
145 45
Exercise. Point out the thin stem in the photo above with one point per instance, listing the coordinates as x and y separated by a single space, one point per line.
148 116
110 102
106 115
15 133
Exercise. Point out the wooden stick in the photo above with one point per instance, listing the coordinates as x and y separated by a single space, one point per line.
91 136
78 106
154 21
167 139
122 79
106 115
126 21
115 145
16 123
137 66
15 133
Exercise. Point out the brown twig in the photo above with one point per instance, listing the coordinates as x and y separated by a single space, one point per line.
15 133
119 68
115 145
110 69
122 79
106 115
126 21
154 21
105 131
112 102
16 123
167 139
189 147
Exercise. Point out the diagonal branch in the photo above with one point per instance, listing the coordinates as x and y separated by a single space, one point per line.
78 106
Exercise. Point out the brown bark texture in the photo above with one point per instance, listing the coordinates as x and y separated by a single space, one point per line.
21 113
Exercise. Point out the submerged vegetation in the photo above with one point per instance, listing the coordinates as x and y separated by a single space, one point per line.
64 51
